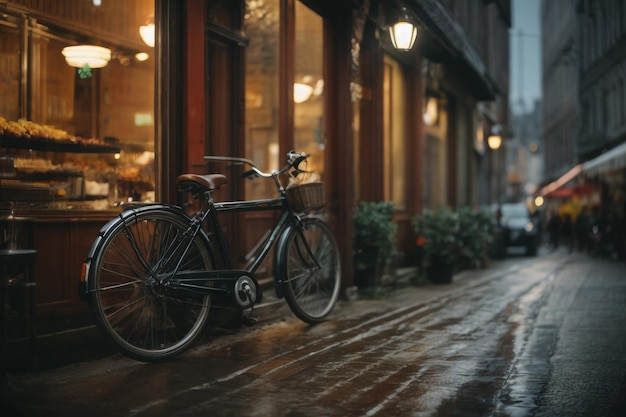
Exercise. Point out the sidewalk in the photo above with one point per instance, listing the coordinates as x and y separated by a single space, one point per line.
85 349
86 343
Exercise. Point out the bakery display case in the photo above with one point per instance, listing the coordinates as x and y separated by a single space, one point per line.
77 136
46 168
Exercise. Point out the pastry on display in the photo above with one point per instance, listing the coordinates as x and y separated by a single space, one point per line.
26 129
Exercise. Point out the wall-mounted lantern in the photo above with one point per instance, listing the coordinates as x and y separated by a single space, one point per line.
431 111
494 140
403 33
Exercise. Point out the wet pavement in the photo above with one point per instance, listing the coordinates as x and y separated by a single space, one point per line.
525 337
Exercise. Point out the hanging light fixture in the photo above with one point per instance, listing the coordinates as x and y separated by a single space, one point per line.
403 33
141 56
80 55
146 31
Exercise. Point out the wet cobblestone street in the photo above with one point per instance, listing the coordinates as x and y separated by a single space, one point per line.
527 337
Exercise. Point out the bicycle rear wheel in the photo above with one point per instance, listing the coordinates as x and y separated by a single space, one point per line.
310 269
128 295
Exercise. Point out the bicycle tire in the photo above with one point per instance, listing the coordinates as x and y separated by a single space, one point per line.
311 288
146 321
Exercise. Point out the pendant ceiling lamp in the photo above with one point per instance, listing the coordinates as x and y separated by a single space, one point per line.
80 55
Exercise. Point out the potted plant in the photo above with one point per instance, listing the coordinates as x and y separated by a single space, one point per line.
475 235
438 234
373 241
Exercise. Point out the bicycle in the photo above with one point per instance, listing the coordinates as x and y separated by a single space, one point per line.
153 271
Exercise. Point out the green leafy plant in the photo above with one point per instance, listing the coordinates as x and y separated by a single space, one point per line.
84 71
454 236
475 234
374 229
438 233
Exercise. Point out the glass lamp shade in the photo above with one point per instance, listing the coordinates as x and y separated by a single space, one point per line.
81 55
494 141
403 34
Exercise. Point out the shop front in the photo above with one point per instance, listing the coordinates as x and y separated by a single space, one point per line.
178 80
76 127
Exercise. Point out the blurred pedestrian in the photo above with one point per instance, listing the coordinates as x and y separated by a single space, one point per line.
584 223
554 229
567 231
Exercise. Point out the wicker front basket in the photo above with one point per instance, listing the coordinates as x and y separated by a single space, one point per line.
306 197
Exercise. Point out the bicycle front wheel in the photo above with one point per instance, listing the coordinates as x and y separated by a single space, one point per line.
310 270
129 296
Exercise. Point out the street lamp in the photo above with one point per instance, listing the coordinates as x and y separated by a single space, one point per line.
495 137
494 141
403 33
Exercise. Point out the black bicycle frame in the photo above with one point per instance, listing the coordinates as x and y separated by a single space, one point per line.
187 279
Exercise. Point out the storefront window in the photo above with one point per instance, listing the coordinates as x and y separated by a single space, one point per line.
435 151
309 87
9 69
90 125
394 124
262 29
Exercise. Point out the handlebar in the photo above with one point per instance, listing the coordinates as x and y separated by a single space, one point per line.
294 159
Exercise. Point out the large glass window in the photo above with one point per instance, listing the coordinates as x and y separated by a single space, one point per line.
262 28
309 87
394 125
93 122
435 151
9 69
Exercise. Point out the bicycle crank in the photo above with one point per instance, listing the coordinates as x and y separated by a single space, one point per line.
246 292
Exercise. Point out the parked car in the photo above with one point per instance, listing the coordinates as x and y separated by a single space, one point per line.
519 227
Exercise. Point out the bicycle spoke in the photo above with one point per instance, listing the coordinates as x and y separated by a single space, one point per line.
132 302
112 314
126 260
312 272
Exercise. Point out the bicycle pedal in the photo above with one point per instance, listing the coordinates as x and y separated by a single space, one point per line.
249 321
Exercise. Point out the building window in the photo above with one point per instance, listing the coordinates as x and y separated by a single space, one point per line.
394 132
10 69
99 107
262 29
263 84
308 135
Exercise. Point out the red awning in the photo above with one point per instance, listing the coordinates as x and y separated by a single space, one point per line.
567 192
